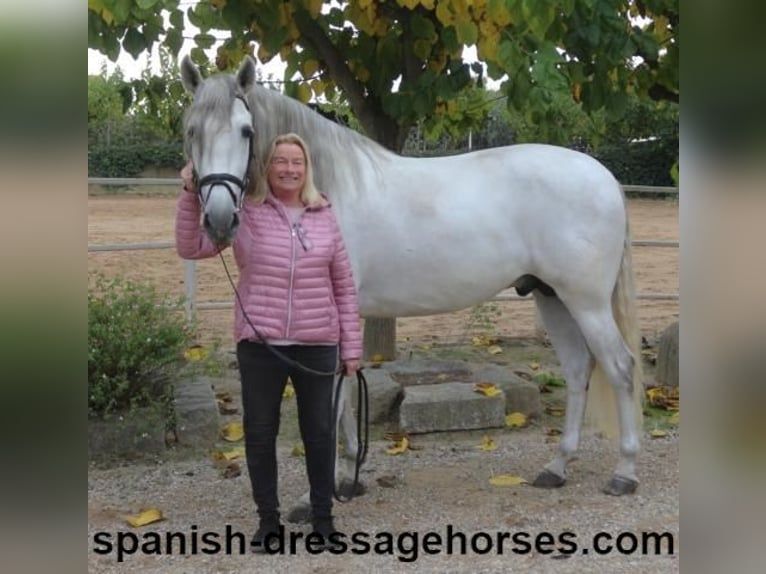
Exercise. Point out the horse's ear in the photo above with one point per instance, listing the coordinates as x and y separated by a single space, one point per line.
190 76
246 74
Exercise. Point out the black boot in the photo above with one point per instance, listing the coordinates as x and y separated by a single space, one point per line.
324 526
266 538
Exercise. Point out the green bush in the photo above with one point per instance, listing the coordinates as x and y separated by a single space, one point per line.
135 341
129 160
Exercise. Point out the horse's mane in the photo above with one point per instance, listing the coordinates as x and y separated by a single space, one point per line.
335 166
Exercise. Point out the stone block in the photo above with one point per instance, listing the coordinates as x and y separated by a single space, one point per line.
198 423
449 406
383 394
520 395
141 431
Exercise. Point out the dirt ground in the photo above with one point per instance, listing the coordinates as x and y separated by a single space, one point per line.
133 219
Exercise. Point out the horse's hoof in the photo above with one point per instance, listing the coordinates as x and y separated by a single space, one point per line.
299 515
346 489
620 485
548 479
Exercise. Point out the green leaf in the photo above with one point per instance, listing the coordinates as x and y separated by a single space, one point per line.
177 19
467 32
204 40
146 4
422 27
134 42
449 39
174 40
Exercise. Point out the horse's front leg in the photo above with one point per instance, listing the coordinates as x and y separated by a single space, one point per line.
344 463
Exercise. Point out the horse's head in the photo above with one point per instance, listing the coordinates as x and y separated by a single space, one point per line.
219 141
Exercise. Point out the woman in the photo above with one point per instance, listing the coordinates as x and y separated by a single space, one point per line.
298 292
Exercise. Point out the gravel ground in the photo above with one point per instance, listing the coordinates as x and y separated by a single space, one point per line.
444 482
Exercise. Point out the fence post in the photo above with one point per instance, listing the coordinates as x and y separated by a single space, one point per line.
190 289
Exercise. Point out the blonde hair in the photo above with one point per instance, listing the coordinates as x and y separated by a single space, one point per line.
309 194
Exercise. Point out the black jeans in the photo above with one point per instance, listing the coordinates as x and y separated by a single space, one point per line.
263 378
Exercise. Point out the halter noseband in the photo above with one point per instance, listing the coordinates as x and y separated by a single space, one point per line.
225 179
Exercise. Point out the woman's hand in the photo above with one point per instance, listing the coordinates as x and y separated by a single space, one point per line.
350 367
187 175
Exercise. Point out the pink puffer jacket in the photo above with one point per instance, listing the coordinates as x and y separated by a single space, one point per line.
293 290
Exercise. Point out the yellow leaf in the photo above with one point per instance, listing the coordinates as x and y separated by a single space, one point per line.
238 452
657 433
303 92
289 391
399 447
534 366
196 353
480 341
148 516
298 450
233 432
516 420
378 358
487 389
442 377
487 444
506 480
674 419
495 349
555 411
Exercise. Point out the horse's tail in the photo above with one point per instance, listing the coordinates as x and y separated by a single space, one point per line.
601 410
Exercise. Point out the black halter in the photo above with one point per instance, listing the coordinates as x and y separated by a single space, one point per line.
225 179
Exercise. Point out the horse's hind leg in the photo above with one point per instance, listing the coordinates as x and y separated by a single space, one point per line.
614 357
577 364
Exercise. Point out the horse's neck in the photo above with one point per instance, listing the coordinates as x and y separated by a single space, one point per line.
342 157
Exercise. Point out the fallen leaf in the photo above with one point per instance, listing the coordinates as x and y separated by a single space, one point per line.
553 432
298 450
148 516
555 411
399 447
196 353
227 409
487 444
674 418
481 341
533 365
238 452
506 480
516 420
487 389
232 470
289 391
657 433
495 350
377 358
442 377
233 432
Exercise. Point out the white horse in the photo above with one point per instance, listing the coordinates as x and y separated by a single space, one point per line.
428 236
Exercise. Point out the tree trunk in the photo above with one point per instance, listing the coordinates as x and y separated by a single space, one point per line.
379 339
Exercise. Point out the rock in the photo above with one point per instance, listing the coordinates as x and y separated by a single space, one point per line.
135 433
520 395
383 394
667 357
198 422
449 406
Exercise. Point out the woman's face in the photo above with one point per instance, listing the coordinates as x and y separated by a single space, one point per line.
287 172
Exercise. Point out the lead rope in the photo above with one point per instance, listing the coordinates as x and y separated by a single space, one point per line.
362 408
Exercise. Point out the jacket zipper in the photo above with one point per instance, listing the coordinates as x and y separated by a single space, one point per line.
292 275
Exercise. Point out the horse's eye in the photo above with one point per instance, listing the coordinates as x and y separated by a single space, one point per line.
247 132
